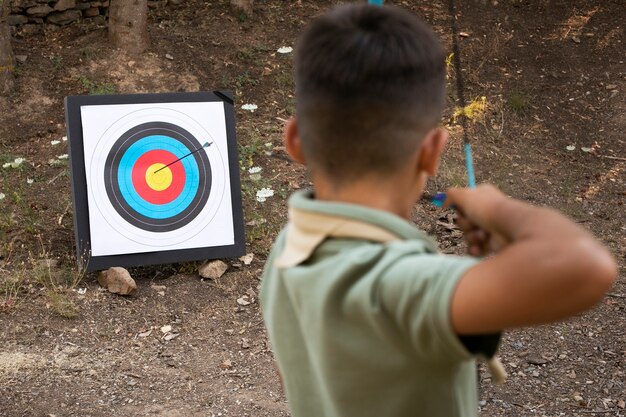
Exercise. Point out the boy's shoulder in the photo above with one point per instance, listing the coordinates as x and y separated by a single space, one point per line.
318 231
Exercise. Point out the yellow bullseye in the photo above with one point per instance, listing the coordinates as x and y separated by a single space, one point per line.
161 180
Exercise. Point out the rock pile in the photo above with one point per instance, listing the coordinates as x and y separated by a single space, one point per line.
56 12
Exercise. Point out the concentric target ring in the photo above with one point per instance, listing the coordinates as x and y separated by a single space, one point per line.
154 201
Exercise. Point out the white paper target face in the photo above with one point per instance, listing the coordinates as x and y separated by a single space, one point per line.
157 177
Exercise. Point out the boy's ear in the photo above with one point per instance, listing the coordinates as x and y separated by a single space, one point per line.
292 141
430 151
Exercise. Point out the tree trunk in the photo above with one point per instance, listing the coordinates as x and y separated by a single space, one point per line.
128 25
242 6
7 64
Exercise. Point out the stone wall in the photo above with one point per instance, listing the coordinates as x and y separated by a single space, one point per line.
55 12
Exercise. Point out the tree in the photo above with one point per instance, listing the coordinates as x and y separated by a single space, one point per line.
7 64
242 6
128 25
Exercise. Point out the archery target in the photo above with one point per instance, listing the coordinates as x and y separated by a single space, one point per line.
157 177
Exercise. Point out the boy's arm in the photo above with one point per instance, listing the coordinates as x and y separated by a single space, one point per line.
547 267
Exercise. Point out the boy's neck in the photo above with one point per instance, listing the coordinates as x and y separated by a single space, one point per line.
395 195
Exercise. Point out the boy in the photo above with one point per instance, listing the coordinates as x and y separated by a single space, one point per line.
365 317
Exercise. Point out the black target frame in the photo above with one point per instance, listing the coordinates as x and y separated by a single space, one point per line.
78 174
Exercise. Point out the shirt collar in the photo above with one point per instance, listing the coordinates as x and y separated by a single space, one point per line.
313 221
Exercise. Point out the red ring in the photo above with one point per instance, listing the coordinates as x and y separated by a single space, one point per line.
139 177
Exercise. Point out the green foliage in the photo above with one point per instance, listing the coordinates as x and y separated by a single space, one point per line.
245 80
56 63
242 17
97 89
248 152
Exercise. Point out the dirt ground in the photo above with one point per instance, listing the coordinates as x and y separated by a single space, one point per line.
551 133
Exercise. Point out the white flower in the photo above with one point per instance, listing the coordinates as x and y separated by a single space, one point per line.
263 194
29 180
55 142
250 107
570 147
285 50
64 138
2 196
64 156
254 170
15 164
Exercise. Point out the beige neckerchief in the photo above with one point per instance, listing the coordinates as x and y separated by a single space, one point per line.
307 230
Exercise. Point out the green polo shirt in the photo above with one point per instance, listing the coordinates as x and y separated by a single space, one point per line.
359 317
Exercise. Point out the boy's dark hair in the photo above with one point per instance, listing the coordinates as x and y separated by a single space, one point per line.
370 82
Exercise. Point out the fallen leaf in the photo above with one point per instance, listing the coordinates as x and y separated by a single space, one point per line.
166 329
145 334
227 364
171 336
585 149
621 404
570 147
243 301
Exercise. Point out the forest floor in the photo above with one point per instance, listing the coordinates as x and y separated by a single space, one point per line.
553 79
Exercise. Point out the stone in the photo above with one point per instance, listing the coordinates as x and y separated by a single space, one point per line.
16 19
23 4
82 6
95 4
213 269
35 20
21 58
64 18
31 29
93 12
39 11
117 280
63 5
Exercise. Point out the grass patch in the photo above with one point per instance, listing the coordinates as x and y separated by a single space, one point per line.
96 88
518 102
61 304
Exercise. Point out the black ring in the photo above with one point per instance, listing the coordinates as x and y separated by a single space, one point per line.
112 186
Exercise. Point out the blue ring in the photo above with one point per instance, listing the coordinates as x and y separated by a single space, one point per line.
125 182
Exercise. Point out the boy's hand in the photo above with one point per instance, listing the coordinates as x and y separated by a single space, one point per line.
474 216
546 267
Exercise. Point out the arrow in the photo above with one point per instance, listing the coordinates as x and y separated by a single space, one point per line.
206 145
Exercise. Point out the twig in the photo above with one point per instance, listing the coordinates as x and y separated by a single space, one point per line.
612 294
55 177
619 158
